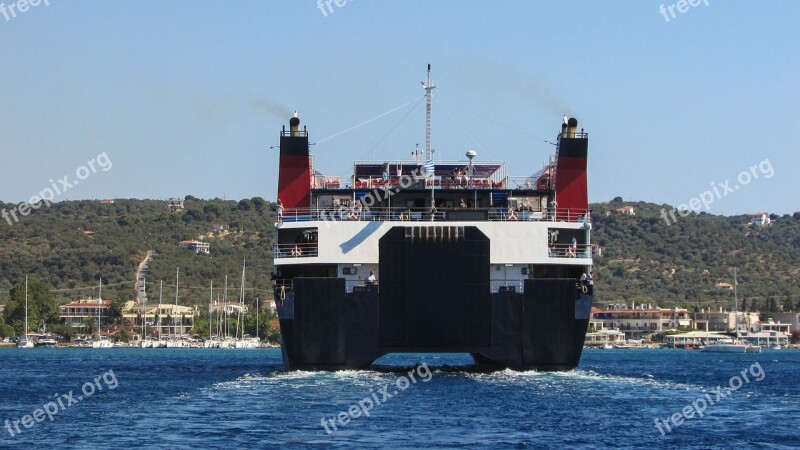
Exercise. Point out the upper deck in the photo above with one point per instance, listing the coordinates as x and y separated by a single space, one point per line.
444 191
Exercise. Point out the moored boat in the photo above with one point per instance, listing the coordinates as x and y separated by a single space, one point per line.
726 346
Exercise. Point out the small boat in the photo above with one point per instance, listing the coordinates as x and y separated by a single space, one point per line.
775 347
46 341
622 346
175 343
247 342
606 346
726 346
102 342
25 342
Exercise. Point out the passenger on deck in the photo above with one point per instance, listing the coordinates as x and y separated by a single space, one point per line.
279 209
462 176
355 212
462 203
552 210
512 214
587 281
573 248
371 278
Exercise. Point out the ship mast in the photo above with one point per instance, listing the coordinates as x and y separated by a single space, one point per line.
428 86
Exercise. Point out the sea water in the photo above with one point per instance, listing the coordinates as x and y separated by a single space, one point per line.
193 398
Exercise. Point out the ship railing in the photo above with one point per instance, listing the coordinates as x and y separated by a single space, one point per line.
403 214
507 285
433 182
527 183
354 285
295 250
298 133
570 251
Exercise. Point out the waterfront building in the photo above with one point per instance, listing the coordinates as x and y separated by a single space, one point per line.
75 314
642 321
165 319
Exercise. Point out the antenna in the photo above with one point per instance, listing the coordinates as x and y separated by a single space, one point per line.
428 86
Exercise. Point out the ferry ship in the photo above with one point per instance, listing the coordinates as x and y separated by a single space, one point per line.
425 256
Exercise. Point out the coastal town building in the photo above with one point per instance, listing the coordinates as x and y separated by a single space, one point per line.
768 333
196 246
724 321
164 319
791 318
598 335
637 322
76 314
642 322
229 308
693 338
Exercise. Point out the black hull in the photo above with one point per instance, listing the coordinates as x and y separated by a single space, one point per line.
542 329
434 297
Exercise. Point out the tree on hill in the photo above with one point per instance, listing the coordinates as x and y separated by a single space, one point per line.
42 306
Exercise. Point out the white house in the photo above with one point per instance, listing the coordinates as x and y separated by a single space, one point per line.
196 246
759 219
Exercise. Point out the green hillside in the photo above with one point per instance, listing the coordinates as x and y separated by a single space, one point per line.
71 244
645 260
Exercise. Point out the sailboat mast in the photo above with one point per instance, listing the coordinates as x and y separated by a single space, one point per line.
99 302
174 311
160 292
210 302
736 302
225 306
257 302
26 307
144 308
241 304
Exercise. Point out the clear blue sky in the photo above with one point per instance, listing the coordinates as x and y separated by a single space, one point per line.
186 97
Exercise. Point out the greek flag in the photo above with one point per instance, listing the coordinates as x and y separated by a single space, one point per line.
429 167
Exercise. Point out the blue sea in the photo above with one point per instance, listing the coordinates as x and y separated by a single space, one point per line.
191 398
